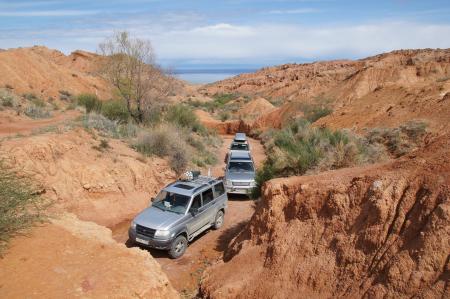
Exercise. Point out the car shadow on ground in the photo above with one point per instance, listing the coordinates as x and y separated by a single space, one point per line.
239 197
156 253
227 236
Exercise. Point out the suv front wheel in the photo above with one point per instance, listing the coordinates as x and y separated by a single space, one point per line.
178 247
219 220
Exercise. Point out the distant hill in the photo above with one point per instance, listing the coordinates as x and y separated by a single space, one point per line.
46 72
383 90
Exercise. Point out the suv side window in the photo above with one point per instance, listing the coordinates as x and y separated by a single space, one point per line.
196 202
207 196
219 189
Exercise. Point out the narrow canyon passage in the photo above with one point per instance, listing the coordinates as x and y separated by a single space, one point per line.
185 272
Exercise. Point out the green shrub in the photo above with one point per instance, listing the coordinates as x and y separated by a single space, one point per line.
401 140
182 116
320 107
314 113
128 130
224 116
90 102
115 110
103 146
221 99
264 174
301 148
29 96
218 103
109 128
64 95
165 141
34 111
38 102
443 79
153 114
8 101
20 205
101 124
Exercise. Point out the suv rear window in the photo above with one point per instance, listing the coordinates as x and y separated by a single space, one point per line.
207 196
240 167
239 146
219 189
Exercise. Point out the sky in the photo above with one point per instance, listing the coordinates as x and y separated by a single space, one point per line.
231 33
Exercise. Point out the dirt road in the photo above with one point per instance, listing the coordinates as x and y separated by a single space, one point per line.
185 273
12 124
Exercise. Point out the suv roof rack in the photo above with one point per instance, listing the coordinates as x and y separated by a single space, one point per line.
202 179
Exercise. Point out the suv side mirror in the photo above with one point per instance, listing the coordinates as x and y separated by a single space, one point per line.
194 211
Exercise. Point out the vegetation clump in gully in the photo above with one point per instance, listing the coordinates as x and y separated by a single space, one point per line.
300 148
20 203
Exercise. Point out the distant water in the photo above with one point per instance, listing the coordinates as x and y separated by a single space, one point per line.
203 76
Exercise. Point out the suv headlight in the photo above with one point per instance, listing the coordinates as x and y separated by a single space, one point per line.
252 184
228 183
133 224
162 233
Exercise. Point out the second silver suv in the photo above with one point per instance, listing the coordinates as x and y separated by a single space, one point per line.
180 212
240 173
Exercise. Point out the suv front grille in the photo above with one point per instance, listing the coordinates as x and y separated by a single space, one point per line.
241 183
145 231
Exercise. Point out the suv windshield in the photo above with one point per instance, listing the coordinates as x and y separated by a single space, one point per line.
239 146
240 167
173 202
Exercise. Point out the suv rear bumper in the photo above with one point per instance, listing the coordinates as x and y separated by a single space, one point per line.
148 242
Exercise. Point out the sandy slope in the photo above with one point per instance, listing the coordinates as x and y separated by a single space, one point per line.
45 72
69 258
105 187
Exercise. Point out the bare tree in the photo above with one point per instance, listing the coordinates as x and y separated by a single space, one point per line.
130 66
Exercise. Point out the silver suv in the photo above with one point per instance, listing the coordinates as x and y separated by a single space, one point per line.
240 137
179 213
239 146
240 173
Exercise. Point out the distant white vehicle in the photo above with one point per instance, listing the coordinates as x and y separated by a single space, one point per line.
240 138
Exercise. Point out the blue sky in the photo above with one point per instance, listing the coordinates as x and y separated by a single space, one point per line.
197 33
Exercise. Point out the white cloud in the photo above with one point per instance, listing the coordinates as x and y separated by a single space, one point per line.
293 11
256 43
220 30
47 13
266 41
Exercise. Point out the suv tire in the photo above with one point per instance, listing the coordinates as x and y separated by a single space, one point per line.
219 220
178 247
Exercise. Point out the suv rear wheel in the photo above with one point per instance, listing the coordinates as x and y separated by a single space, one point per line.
178 247
219 220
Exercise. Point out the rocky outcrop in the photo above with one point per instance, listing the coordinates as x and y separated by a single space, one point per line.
69 258
106 186
369 232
